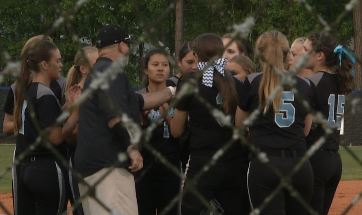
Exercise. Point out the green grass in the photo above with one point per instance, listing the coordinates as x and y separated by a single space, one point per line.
6 157
351 169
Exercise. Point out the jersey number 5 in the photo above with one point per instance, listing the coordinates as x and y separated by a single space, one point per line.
334 120
286 115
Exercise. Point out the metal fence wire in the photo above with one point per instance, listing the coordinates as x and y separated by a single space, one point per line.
143 136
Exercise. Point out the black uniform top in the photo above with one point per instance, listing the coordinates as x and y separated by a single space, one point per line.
330 103
41 99
283 130
161 139
57 86
172 81
97 146
10 100
206 134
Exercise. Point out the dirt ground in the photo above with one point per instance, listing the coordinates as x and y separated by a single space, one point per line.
344 195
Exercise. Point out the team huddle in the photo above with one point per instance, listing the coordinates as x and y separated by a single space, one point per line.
272 99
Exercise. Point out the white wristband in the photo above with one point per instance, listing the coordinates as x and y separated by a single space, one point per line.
173 90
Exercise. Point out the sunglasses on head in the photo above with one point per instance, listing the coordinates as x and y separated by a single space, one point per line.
128 40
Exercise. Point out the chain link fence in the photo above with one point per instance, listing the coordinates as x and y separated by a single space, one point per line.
143 136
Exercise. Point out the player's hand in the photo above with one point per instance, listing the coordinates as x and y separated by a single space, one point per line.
163 110
73 93
136 160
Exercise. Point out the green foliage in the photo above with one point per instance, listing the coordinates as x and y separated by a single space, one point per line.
351 169
6 157
153 21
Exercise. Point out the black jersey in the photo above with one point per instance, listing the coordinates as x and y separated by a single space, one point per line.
207 135
330 103
40 99
58 88
10 100
281 130
161 139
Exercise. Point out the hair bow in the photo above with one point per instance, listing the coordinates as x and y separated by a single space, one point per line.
208 75
342 51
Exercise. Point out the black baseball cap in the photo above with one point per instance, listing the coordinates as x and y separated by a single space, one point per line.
112 34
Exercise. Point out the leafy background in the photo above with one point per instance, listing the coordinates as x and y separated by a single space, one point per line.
153 22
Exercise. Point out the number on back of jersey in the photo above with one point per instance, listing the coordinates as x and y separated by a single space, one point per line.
335 113
286 115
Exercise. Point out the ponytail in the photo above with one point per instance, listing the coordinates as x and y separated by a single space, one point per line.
73 77
345 78
272 49
346 60
207 47
38 51
22 84
227 91
337 58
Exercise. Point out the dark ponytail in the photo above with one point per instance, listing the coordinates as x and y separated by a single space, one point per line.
326 43
38 51
210 47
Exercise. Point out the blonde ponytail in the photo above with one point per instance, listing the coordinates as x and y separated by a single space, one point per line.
272 48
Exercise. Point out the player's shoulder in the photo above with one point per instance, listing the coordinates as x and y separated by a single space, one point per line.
43 90
141 91
316 78
253 77
304 81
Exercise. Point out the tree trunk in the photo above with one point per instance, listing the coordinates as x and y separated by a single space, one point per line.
178 26
141 47
357 26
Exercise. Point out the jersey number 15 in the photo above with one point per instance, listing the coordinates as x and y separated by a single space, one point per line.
334 120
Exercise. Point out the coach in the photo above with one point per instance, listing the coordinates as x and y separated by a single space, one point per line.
101 136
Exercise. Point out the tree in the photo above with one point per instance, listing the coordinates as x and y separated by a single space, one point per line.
178 25
153 22
357 23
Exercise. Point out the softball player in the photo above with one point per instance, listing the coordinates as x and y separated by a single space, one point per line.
156 185
224 184
332 77
41 176
279 129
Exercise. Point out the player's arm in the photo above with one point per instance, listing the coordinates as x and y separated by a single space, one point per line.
134 155
177 123
8 124
308 124
240 117
49 110
155 99
112 102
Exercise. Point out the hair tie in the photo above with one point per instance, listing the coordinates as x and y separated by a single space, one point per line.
208 75
343 51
